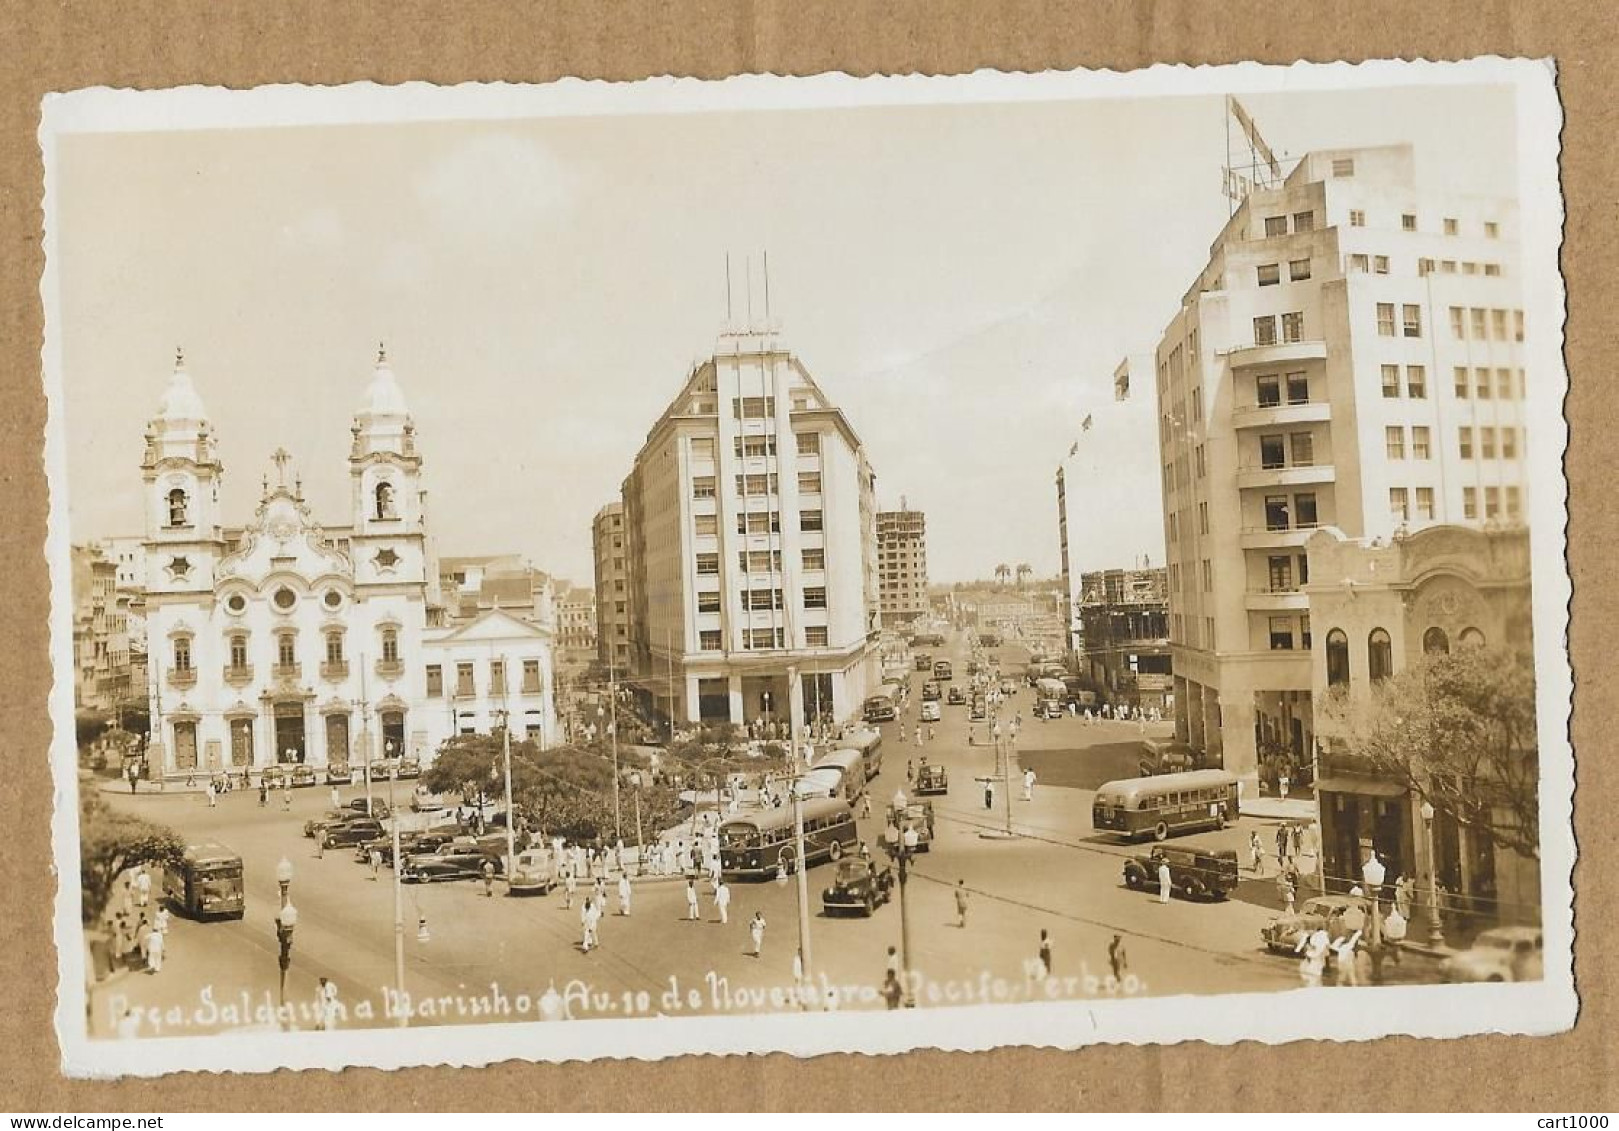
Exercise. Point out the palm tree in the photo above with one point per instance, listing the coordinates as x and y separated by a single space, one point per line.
1024 572
1002 572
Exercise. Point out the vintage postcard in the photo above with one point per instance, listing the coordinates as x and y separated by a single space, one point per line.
624 570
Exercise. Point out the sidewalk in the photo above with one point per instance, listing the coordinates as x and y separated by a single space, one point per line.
1278 809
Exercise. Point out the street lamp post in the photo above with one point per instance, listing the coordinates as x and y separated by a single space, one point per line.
285 921
1373 873
511 817
900 839
640 845
399 896
283 878
796 753
1436 926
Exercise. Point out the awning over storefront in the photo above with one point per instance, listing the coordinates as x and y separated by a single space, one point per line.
1372 787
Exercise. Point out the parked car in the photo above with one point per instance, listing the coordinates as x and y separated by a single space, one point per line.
1194 872
1321 912
304 775
272 776
428 840
929 712
453 861
1500 954
955 697
338 773
924 662
932 779
1048 709
858 885
378 808
350 832
424 801
379 770
978 711
410 768
533 871
313 826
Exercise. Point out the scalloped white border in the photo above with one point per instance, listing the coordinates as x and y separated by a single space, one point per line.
1437 1011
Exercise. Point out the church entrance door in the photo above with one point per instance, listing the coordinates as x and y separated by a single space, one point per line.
289 731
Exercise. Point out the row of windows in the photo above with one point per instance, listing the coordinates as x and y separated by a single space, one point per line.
1361 263
1277 225
1292 328
1400 504
1299 513
464 678
1268 389
1450 225
712 639
1492 502
286 645
1380 651
1483 324
1273 450
1416 381
1410 320
1270 274
1394 442
1281 573
1507 385
1486 443
1174 524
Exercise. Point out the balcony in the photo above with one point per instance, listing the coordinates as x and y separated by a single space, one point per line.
287 671
334 671
1265 538
1279 353
1296 475
238 674
182 678
390 669
1271 416
1276 601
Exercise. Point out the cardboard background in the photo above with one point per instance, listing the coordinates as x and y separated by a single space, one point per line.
147 43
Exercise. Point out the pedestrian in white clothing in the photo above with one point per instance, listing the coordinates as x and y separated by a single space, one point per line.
143 887
587 924
757 930
1028 784
691 900
722 902
1164 884
154 950
213 795
623 893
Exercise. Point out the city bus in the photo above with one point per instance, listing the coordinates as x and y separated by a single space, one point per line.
755 846
205 882
870 745
879 708
1166 803
851 767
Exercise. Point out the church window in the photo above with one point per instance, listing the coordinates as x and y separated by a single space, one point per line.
286 649
238 651
182 653
285 599
385 500
334 647
177 507
386 558
333 599
236 604
531 677
390 645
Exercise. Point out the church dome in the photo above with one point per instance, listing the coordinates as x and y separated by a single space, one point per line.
383 396
180 399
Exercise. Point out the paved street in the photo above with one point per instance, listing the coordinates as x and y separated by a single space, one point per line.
1055 874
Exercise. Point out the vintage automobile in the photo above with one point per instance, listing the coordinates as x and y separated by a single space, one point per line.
425 801
272 776
1500 954
377 807
532 871
978 711
916 815
409 768
930 690
1321 912
350 832
379 770
929 712
453 861
932 779
858 885
338 773
924 662
1048 709
426 840
313 826
955 697
304 775
1194 872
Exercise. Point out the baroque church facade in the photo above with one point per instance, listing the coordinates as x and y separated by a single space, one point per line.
288 642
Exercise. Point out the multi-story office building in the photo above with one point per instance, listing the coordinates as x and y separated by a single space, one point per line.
902 565
1125 634
576 624
751 552
1350 357
612 589
101 654
1109 507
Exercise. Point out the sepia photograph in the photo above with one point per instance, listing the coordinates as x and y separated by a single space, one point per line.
623 570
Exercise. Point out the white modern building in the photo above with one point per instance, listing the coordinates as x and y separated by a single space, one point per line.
1351 356
902 565
287 641
750 540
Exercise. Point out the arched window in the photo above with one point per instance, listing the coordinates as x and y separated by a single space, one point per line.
334 646
182 653
1435 642
1379 655
1471 638
286 649
390 645
385 500
1337 658
238 651
177 507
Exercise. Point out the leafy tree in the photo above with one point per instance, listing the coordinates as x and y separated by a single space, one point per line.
1457 729
111 841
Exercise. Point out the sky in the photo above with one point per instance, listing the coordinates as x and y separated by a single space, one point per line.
961 280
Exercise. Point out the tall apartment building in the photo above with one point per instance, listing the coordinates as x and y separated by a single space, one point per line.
612 589
750 538
1349 357
902 565
1098 527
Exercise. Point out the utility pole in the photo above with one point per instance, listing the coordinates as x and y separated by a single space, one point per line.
511 816
798 843
612 692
